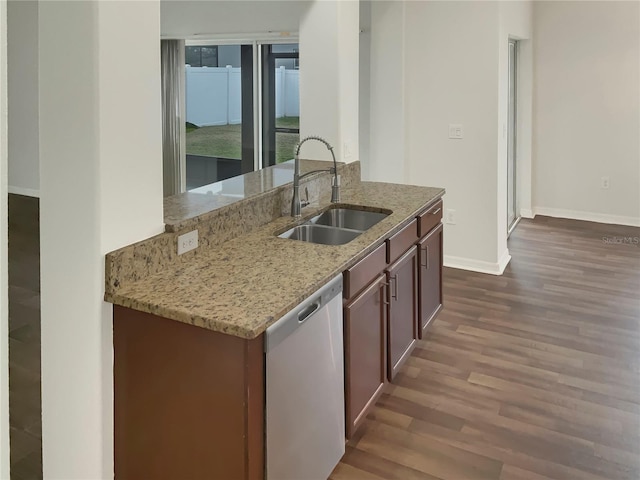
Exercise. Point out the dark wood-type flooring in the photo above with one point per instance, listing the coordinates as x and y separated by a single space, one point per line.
25 417
526 376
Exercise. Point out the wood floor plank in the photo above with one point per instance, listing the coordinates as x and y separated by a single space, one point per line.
429 456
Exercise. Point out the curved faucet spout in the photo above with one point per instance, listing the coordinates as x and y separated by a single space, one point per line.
335 184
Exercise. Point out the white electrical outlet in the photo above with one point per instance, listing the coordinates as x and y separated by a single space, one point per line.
456 131
450 217
187 242
604 183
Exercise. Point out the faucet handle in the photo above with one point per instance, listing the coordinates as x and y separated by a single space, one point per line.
305 202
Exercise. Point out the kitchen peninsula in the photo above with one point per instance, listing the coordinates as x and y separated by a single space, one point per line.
188 329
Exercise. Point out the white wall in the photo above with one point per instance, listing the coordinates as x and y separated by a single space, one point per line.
101 188
587 105
432 64
452 67
364 93
348 79
329 78
4 298
189 18
387 158
22 34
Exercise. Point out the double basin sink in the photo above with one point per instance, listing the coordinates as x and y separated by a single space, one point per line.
335 226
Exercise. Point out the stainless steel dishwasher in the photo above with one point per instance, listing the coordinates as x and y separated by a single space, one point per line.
305 432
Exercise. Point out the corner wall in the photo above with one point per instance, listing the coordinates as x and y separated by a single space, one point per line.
452 68
587 105
101 189
433 64
515 23
387 160
24 175
329 78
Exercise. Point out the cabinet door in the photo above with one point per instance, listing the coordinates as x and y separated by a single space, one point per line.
365 351
430 277
402 332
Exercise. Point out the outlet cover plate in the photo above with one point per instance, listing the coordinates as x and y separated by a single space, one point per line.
187 242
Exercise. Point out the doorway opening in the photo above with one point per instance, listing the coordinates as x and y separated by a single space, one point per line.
513 216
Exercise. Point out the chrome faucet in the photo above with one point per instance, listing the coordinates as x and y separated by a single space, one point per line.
296 205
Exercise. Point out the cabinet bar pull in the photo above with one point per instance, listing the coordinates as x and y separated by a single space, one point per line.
383 293
426 256
435 212
394 296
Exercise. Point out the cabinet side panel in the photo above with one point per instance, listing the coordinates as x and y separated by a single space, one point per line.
179 400
255 408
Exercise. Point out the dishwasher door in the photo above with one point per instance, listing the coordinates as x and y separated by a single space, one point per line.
305 431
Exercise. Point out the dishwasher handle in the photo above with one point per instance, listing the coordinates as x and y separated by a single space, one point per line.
307 312
301 313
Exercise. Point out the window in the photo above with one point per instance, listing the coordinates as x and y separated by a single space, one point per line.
201 56
221 141
281 106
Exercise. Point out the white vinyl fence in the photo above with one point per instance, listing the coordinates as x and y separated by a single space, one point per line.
214 95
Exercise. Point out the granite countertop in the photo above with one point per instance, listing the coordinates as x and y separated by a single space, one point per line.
244 285
187 209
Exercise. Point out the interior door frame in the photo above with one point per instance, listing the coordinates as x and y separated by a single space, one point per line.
512 133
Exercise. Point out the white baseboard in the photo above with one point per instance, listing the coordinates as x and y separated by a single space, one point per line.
503 261
587 216
479 266
27 192
527 213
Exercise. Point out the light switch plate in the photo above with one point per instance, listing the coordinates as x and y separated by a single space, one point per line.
187 242
456 131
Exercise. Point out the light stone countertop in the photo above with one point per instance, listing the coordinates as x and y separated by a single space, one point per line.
244 285
189 208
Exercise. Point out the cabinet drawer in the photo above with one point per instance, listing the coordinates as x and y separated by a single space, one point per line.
363 272
429 218
401 241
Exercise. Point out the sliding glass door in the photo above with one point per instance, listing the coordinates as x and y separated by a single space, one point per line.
281 102
219 112
221 84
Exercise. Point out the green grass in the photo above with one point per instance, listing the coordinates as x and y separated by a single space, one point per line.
225 141
288 122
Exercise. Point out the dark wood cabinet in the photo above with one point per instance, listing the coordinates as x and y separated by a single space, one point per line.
429 219
429 278
402 325
385 313
188 402
365 319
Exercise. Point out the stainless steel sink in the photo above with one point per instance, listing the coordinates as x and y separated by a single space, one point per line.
349 218
335 226
322 234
